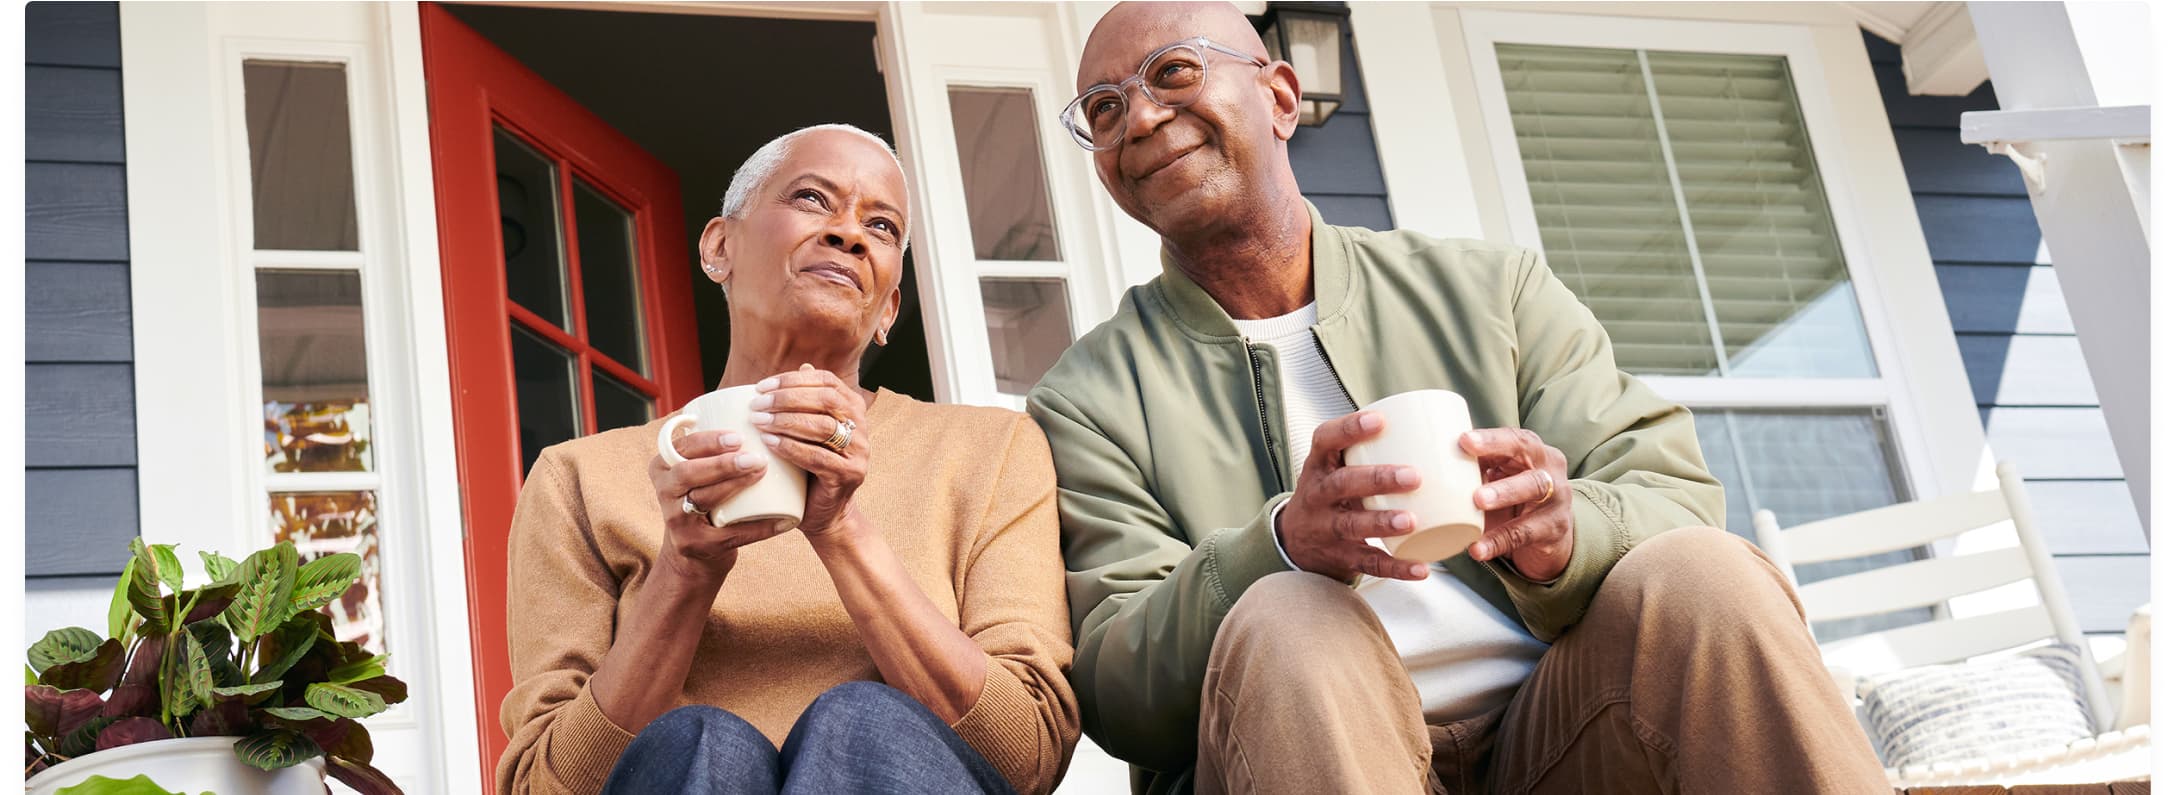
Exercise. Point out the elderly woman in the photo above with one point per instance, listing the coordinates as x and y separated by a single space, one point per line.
910 635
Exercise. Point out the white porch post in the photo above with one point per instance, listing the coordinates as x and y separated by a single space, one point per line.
2086 212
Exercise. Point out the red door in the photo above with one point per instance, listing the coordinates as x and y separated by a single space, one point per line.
567 311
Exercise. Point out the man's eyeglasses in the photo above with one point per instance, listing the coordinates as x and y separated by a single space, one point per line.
1171 77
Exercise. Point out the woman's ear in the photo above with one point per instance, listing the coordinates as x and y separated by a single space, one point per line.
715 250
888 317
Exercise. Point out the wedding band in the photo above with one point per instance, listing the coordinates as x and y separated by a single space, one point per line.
841 436
1551 481
687 506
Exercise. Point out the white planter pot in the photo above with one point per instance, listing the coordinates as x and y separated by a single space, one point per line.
190 765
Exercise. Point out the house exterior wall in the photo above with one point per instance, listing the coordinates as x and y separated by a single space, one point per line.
1336 163
2020 349
79 401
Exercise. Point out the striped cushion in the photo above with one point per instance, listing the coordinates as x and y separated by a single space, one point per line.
2030 701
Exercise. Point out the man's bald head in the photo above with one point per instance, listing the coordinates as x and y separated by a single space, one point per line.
1130 31
1215 165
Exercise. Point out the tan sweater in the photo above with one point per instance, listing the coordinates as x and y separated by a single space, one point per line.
965 495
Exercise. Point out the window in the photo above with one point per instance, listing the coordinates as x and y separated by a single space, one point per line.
321 473
1025 291
575 315
1674 177
1677 196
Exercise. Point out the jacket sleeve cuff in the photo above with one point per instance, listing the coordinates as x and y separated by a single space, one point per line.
1598 541
1237 556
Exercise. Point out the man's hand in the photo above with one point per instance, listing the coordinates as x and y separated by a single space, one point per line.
1526 493
1324 528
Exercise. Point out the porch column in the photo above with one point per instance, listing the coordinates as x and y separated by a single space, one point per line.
2088 217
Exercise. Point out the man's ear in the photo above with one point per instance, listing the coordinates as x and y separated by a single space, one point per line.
1283 97
715 252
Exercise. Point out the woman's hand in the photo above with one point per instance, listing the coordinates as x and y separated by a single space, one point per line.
716 470
798 411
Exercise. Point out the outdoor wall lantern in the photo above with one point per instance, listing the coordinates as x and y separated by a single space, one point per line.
1311 37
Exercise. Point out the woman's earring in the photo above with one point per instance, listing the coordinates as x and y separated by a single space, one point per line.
881 338
709 269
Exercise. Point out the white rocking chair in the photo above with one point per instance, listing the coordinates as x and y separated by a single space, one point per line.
1931 583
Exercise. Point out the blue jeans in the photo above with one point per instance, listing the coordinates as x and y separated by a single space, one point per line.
859 737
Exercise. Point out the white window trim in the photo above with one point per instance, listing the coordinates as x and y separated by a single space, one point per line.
1022 59
193 303
1932 415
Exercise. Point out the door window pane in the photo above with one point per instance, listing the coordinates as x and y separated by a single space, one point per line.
605 235
301 173
316 377
618 405
1807 466
1657 176
549 409
1030 325
1000 160
528 220
324 523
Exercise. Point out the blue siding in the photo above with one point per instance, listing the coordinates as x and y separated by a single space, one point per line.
2020 350
1336 164
79 382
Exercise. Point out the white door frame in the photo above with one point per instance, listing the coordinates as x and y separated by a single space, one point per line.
199 412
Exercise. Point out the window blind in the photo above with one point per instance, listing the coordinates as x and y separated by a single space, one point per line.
1677 196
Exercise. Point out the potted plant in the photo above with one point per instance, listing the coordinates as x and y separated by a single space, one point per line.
243 673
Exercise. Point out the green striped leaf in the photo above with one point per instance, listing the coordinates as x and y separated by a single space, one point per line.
285 647
267 581
346 702
297 713
273 749
65 645
169 566
85 738
119 611
97 672
196 668
361 669
218 567
247 690
324 579
144 593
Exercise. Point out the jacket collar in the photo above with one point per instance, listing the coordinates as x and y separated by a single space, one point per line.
1331 258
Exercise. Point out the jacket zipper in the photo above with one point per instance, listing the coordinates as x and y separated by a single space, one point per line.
1261 412
1324 350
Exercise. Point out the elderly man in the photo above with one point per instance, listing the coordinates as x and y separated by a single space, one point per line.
1212 528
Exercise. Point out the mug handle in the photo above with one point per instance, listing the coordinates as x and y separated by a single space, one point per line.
665 449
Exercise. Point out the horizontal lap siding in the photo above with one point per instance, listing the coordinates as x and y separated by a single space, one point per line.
1336 164
2028 376
79 383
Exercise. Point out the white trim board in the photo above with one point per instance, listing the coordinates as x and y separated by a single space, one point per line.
193 299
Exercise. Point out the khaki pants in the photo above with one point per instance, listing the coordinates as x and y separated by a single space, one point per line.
1691 672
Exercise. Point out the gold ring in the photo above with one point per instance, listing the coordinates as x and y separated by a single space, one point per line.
841 436
1551 492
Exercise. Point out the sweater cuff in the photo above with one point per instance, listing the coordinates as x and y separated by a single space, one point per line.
585 745
1004 725
1237 556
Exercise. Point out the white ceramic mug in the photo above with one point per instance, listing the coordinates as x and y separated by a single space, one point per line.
783 490
1420 429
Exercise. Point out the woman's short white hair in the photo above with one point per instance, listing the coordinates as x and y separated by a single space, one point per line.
760 166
